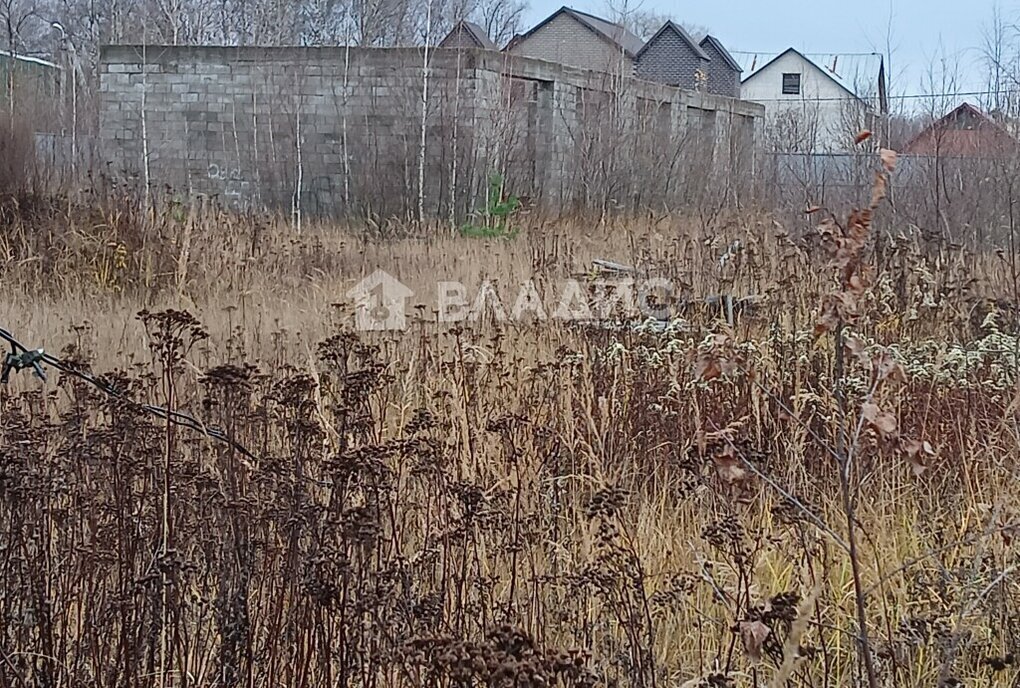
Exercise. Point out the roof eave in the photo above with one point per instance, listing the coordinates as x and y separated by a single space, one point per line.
721 49
686 37
810 62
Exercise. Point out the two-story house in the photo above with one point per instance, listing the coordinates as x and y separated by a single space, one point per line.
815 103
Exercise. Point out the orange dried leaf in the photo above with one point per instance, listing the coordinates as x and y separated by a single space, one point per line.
863 136
813 209
879 189
888 159
827 322
708 369
859 225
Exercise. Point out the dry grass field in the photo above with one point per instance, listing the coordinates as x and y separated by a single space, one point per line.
493 503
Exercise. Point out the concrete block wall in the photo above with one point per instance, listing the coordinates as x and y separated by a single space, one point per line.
337 131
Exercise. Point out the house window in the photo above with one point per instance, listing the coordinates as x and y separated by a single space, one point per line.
791 84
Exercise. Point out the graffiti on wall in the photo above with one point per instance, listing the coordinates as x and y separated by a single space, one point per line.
230 183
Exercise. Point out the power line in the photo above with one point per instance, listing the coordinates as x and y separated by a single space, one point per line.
912 96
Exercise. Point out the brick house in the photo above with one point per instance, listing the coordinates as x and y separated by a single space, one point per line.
723 70
581 40
465 34
672 57
966 132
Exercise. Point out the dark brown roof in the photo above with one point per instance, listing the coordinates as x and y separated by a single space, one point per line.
721 49
474 32
614 33
680 31
964 132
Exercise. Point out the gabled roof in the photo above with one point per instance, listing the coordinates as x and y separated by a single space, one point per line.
474 32
717 45
32 60
615 34
979 133
679 30
850 71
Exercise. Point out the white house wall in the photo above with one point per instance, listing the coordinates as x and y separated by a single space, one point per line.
828 114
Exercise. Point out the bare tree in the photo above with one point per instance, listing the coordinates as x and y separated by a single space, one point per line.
23 24
941 80
501 19
645 23
1000 55
424 114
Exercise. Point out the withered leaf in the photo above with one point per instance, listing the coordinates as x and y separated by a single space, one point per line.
916 451
857 284
856 347
708 368
729 466
753 635
888 368
888 159
813 209
859 226
827 321
879 189
883 421
863 136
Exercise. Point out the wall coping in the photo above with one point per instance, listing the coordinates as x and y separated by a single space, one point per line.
486 60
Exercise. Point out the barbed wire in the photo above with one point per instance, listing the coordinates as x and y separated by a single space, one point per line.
22 358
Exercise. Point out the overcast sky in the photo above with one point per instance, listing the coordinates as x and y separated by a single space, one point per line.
918 28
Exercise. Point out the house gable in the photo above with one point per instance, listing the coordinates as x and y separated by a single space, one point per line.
964 132
672 57
723 70
466 34
856 75
806 106
713 47
807 64
579 40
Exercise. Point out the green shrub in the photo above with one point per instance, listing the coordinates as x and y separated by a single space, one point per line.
493 222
